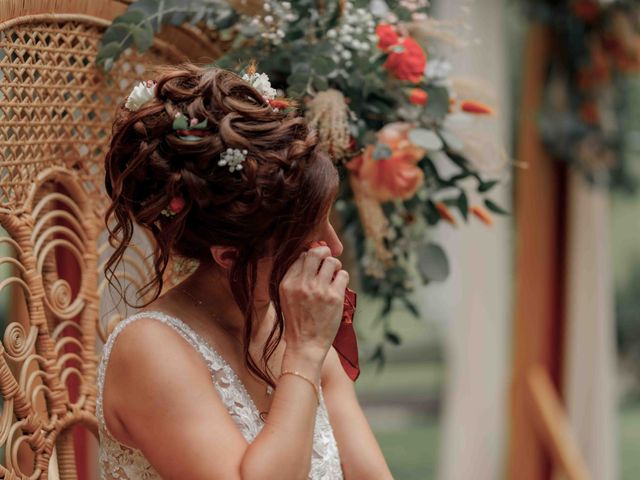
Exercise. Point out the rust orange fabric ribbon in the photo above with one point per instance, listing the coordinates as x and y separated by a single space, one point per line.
345 342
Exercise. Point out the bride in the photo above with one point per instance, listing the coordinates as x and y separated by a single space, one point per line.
232 373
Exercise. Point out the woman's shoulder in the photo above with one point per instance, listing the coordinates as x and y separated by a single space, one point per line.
146 339
148 359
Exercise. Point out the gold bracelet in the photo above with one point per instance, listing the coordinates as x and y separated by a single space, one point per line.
295 372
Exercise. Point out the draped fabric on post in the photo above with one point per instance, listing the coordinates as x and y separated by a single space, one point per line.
475 302
589 368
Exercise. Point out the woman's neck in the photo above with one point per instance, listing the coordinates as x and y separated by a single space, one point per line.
212 288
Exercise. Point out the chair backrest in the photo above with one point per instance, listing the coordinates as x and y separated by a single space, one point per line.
56 110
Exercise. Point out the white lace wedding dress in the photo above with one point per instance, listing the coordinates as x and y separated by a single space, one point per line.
119 462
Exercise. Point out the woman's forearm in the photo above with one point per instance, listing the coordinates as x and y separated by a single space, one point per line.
283 447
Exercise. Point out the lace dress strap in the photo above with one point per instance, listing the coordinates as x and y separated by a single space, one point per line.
232 392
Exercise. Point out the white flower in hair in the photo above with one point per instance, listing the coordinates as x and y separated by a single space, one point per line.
141 94
260 81
233 157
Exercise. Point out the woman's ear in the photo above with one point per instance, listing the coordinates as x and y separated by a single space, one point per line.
224 256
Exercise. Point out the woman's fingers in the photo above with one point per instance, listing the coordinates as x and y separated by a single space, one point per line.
328 268
313 259
341 281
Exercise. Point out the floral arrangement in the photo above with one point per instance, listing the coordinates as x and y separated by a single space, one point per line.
591 113
368 76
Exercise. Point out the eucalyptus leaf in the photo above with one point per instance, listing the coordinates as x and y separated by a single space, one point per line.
431 214
323 65
131 17
392 337
495 208
149 9
320 83
484 187
463 205
107 64
143 36
427 139
433 264
116 33
378 354
438 105
411 306
106 55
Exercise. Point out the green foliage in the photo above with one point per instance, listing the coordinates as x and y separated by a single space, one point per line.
495 208
433 264
144 18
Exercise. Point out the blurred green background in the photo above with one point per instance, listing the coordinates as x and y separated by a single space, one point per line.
403 402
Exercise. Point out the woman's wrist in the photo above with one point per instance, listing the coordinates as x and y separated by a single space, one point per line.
308 361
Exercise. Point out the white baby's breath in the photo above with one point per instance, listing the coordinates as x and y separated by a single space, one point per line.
233 157
260 81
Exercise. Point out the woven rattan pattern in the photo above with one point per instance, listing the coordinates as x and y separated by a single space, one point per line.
56 111
56 106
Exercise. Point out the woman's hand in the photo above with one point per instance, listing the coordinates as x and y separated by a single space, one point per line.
312 296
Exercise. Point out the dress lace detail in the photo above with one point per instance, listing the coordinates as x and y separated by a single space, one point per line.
121 462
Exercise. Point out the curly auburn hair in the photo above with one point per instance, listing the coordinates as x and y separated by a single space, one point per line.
269 207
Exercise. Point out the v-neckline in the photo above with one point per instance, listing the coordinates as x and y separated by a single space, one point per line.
225 363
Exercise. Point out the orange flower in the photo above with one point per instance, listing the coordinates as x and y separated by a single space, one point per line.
472 106
482 214
387 35
282 103
445 213
396 176
408 61
418 96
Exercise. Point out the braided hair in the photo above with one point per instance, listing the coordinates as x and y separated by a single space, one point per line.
270 207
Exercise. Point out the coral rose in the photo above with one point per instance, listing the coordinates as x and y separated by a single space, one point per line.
406 60
396 176
387 35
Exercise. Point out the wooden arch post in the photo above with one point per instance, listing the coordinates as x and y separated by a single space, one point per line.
541 440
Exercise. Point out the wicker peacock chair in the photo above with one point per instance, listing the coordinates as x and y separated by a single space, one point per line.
56 110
